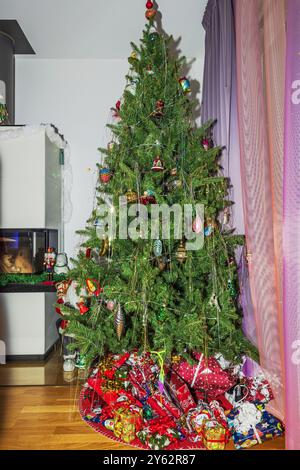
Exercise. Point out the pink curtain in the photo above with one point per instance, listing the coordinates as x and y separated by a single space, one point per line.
291 227
260 44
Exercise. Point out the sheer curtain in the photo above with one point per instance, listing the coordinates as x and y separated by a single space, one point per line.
260 48
291 227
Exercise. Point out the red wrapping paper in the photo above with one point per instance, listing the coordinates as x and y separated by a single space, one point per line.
180 392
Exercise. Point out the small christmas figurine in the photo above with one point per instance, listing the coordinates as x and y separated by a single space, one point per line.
49 262
157 165
61 264
159 109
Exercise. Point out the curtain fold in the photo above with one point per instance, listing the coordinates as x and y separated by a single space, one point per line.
261 173
291 227
219 96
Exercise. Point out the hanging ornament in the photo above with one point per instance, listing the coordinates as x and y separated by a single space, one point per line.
80 361
131 196
162 263
162 314
149 5
110 305
173 172
82 306
104 247
181 254
153 35
185 85
197 225
206 144
93 287
88 253
133 58
119 322
150 71
150 13
148 198
157 165
157 248
210 227
110 146
173 185
231 288
104 175
226 216
159 109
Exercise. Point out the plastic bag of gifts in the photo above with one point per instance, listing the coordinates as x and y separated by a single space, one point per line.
251 424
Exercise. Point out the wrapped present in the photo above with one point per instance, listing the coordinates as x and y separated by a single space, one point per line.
109 390
127 422
251 424
258 389
214 435
218 413
206 376
196 418
179 392
159 433
166 402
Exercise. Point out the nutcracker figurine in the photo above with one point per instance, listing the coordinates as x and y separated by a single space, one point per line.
49 262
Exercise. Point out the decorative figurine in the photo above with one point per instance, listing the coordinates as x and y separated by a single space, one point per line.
49 262
157 165
61 264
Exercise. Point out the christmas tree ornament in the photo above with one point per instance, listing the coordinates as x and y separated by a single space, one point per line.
149 5
159 109
110 145
162 314
150 70
104 247
197 225
173 172
148 198
93 287
110 305
181 253
119 322
162 263
118 105
157 248
173 185
231 288
61 264
82 307
133 58
185 85
104 175
131 196
210 227
150 13
81 361
206 144
157 165
88 253
153 35
226 216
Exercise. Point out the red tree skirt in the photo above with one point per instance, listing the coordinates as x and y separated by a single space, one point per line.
86 403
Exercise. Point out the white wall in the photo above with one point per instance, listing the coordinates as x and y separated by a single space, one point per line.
76 95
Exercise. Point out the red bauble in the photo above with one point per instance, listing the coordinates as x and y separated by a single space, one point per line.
118 105
149 5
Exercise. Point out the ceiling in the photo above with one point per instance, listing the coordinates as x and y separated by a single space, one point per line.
101 29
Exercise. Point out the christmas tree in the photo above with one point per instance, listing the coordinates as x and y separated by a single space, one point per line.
157 295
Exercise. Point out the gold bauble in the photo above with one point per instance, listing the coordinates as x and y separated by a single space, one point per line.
181 254
131 196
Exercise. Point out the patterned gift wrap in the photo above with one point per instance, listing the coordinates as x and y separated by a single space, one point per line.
104 425
127 421
215 436
267 428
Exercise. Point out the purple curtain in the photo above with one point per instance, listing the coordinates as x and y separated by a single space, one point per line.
219 96
220 102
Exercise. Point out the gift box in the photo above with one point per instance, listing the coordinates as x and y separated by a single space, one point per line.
251 424
206 376
258 389
159 434
127 422
196 418
214 435
179 392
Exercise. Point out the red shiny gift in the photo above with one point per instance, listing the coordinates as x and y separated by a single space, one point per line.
180 392
207 377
